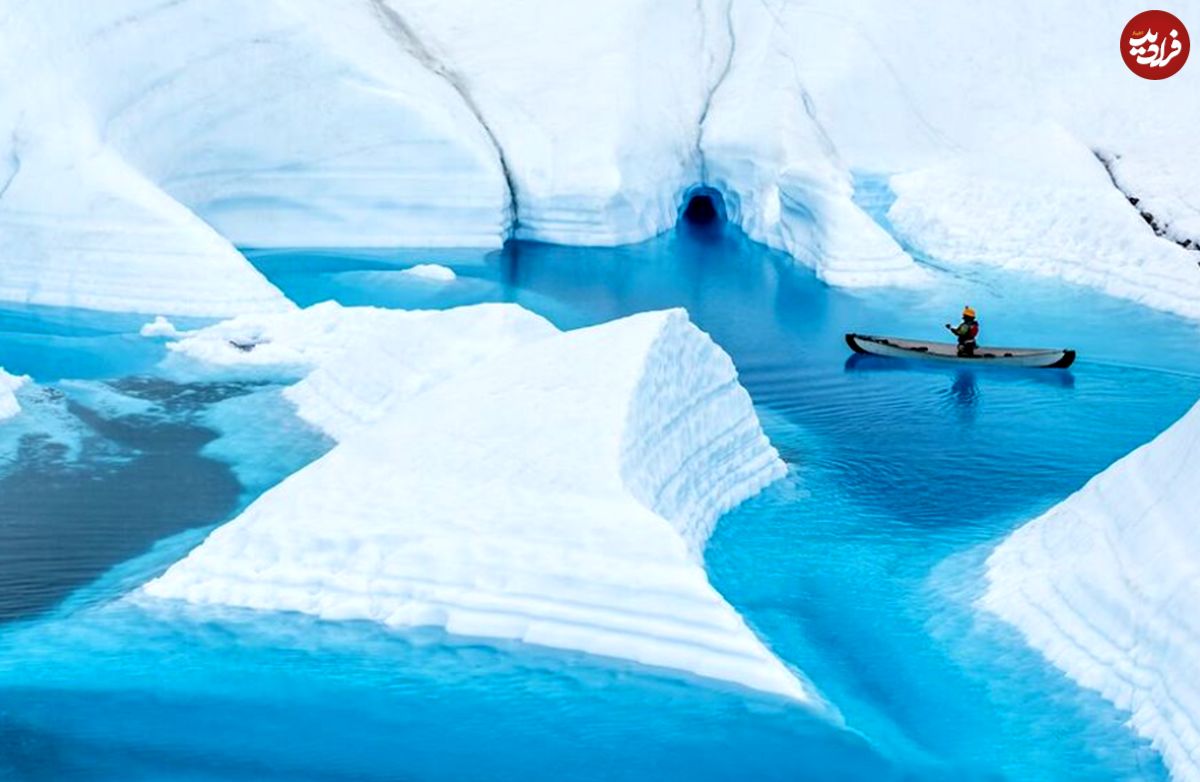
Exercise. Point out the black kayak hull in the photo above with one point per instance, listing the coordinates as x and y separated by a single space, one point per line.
895 347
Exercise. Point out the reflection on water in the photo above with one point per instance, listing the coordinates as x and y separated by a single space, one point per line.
964 391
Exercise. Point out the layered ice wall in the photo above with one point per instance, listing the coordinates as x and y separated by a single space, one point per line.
1106 586
609 121
573 516
764 146
140 141
596 107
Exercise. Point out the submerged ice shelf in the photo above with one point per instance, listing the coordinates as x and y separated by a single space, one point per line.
573 516
1106 586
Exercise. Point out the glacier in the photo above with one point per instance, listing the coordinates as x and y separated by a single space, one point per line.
1105 585
573 517
146 141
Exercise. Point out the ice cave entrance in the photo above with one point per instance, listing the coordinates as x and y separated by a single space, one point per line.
702 206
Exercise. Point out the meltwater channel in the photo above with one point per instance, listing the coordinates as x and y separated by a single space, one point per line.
859 568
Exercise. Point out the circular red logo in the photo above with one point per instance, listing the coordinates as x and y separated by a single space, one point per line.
1155 44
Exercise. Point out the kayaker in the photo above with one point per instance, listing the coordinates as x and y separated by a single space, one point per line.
966 332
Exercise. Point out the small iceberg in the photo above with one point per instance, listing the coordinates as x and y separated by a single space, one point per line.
9 384
555 488
160 327
431 271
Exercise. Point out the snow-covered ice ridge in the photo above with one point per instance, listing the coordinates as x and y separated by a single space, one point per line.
573 516
1106 586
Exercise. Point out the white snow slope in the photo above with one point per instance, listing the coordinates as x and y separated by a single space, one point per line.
1041 202
573 516
1106 585
140 141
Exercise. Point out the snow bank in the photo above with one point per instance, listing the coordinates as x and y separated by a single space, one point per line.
9 406
558 492
1106 586
898 87
895 88
1041 202
430 271
95 233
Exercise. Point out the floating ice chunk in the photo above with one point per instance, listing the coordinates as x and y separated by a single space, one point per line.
9 384
160 327
431 271
1106 586
558 493
356 363
1039 201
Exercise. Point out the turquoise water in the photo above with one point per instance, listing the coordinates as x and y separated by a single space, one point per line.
859 568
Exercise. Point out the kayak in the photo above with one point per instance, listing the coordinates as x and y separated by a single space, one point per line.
894 347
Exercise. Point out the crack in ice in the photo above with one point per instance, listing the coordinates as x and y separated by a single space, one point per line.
1107 159
401 32
712 90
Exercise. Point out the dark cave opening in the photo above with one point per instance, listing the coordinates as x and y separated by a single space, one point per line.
703 206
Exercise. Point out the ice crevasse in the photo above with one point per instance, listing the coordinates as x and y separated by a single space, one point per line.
1106 584
573 517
